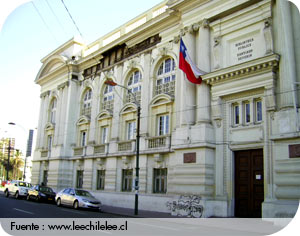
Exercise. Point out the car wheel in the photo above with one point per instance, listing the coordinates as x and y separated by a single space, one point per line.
58 202
28 197
17 195
38 198
6 193
75 205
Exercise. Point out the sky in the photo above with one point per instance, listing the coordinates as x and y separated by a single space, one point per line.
30 30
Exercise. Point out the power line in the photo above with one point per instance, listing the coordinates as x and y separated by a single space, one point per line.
72 18
55 16
44 21
117 123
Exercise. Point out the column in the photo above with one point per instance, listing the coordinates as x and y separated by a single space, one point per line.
188 90
71 118
203 112
286 49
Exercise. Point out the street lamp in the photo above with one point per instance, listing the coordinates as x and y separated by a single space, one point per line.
136 202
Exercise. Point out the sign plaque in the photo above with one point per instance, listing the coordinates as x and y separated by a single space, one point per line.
189 157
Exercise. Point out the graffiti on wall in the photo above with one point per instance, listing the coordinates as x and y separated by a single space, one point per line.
186 206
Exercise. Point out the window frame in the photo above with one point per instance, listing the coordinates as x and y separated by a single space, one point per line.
160 178
130 129
100 185
247 112
258 113
104 134
83 138
53 108
49 142
163 124
127 178
79 178
165 77
87 102
236 114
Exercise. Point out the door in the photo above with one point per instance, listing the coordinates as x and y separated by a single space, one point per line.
249 183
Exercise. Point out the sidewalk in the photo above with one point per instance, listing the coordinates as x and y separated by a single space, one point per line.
141 213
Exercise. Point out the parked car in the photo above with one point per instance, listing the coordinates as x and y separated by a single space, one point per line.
41 193
78 198
17 188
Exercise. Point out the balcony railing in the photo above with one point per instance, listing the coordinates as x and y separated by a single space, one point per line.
101 149
130 98
78 151
159 142
168 88
126 146
86 111
108 105
44 153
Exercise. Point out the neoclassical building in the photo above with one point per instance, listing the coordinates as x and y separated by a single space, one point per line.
232 142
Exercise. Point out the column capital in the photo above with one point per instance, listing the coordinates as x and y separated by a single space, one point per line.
204 23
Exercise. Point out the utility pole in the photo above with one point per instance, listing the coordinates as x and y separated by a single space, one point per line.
8 156
137 169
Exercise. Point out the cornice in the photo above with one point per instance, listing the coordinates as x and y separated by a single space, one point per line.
270 63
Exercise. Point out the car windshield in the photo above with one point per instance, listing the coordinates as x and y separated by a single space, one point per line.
83 193
46 189
22 184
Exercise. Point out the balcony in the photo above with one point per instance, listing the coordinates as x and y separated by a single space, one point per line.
45 153
108 105
128 146
101 149
130 98
78 151
167 88
86 111
159 142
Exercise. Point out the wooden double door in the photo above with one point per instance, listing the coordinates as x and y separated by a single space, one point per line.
249 183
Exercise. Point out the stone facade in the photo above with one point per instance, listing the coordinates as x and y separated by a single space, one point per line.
230 144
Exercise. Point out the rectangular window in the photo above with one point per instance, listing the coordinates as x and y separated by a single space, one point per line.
130 130
45 177
104 135
258 110
247 112
79 179
236 113
167 65
163 125
49 142
160 180
100 179
127 180
52 116
83 138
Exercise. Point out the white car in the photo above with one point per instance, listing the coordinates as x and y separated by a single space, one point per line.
17 188
78 198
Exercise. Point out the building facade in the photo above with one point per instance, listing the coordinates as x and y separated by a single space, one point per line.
230 145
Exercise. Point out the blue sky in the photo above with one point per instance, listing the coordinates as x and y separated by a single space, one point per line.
26 38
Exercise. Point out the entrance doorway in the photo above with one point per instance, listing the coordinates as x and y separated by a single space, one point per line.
249 183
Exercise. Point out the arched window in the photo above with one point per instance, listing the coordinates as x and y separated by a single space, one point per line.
165 80
134 86
52 114
87 103
108 98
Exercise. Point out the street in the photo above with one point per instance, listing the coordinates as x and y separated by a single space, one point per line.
21 208
32 217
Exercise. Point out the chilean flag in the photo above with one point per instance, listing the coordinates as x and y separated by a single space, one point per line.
193 73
